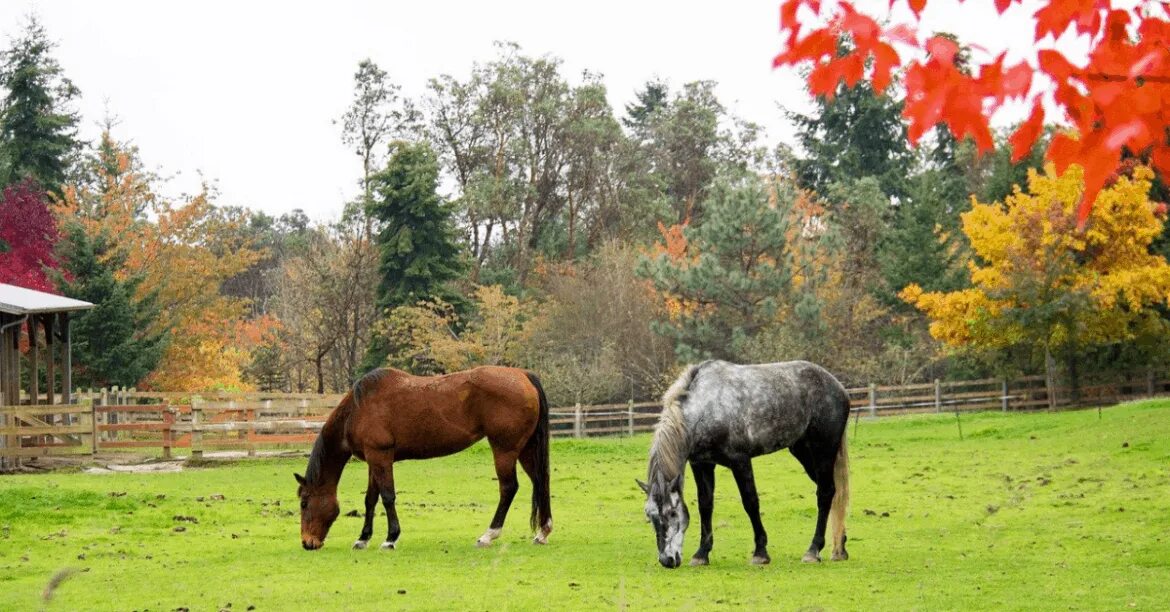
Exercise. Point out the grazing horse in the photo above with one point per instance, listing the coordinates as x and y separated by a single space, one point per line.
725 414
390 416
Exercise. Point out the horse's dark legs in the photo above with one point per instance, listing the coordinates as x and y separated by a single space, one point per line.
371 503
528 460
506 475
705 483
745 479
820 471
382 475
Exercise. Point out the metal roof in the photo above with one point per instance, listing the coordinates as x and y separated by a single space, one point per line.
18 301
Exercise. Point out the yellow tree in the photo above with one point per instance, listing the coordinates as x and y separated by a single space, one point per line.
1040 281
183 252
430 337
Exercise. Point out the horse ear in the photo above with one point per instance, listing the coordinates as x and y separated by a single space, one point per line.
300 479
645 487
677 483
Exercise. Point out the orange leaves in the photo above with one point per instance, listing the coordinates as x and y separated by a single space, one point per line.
1025 136
1119 100
821 47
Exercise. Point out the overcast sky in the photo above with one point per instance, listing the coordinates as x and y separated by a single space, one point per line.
244 94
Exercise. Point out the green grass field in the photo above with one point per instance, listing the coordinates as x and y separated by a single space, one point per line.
1029 511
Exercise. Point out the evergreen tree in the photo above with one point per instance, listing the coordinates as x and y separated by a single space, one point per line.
853 135
651 98
734 273
110 344
419 253
37 127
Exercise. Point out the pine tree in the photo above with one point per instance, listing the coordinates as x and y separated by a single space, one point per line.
37 127
419 252
853 135
652 97
734 273
110 344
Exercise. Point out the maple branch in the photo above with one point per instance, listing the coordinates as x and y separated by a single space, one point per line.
1101 76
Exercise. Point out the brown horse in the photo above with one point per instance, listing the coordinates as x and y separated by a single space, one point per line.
393 416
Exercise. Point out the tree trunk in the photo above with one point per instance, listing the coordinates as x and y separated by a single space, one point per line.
1074 377
320 373
1049 377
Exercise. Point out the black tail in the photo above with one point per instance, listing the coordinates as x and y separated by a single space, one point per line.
541 503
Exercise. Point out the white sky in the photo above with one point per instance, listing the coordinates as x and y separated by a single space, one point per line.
245 93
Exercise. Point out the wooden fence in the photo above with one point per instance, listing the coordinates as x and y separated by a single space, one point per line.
116 419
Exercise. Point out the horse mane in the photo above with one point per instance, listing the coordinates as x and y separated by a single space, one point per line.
668 452
331 430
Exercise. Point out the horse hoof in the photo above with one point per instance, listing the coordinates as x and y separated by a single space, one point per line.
540 539
360 544
696 561
811 557
761 560
841 556
483 542
389 545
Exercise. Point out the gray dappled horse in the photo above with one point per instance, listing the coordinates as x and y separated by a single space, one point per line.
723 413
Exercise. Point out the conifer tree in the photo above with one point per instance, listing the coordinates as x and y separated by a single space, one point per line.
419 252
37 127
111 344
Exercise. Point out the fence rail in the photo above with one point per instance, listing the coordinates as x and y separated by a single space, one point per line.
115 419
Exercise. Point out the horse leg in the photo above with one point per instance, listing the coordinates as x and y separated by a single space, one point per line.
382 474
705 483
528 461
745 479
371 503
826 488
506 475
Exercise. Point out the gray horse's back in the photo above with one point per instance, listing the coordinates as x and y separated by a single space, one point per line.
761 408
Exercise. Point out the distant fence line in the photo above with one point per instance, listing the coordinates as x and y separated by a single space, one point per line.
115 419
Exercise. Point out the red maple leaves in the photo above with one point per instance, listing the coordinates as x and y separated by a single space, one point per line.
1118 101
28 234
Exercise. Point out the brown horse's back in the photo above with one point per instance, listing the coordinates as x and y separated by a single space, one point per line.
430 416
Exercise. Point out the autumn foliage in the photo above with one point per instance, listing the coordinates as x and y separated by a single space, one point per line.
27 235
1040 282
1117 100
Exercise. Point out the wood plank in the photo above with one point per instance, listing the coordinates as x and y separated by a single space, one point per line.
43 410
155 408
44 451
157 426
52 430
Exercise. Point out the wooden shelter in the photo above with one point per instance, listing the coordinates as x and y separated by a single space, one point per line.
45 317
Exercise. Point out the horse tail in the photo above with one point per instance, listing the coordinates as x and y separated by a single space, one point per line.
541 517
840 498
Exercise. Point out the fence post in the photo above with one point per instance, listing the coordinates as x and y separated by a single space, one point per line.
168 434
93 438
1149 382
630 418
937 395
252 427
196 428
1004 395
578 421
872 400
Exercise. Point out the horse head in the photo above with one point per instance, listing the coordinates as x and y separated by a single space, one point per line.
667 512
319 508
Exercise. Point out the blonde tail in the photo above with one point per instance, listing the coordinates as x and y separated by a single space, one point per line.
840 500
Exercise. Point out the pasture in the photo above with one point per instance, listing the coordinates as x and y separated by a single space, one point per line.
1049 511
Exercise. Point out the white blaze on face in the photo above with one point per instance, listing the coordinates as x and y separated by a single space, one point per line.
675 528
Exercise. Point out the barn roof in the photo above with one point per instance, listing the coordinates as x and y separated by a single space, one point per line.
18 301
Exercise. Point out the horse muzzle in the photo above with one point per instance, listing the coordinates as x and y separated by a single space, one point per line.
311 543
670 561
